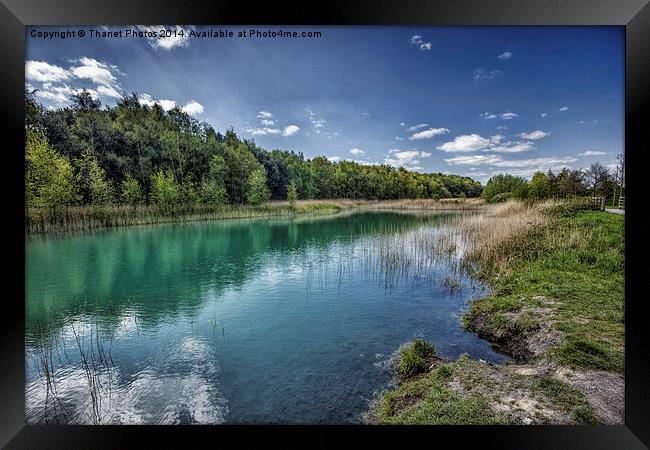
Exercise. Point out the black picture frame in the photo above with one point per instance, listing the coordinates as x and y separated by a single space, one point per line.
634 15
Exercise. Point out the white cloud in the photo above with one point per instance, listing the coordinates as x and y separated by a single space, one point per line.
504 116
518 167
43 72
180 37
473 160
356 151
536 163
564 108
537 134
402 124
267 122
193 108
509 115
166 104
108 91
397 138
407 158
593 153
417 127
334 158
482 74
419 41
97 72
146 100
505 55
316 122
582 122
263 131
544 115
427 134
264 115
502 128
290 130
475 142
465 143
512 147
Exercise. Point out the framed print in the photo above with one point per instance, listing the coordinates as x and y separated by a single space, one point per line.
381 220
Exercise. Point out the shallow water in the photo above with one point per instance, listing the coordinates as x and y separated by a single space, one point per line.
243 321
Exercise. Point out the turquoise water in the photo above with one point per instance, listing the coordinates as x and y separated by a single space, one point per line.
242 321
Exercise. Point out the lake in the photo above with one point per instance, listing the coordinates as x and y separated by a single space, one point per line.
239 321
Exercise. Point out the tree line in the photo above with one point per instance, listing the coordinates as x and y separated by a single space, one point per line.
132 153
595 181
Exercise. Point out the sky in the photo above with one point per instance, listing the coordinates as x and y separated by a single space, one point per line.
473 101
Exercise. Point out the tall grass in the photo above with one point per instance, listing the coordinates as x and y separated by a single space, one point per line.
83 218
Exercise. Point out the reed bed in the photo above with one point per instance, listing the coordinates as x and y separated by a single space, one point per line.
83 218
446 204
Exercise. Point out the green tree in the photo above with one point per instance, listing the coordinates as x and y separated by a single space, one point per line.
212 193
189 195
96 188
292 194
540 186
241 164
131 190
502 183
165 191
257 192
49 177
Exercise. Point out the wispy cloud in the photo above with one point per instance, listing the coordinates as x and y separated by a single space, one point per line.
537 134
505 55
417 127
418 41
564 108
593 153
427 134
509 115
505 115
356 151
483 74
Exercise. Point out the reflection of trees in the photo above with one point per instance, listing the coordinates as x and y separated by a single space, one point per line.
161 271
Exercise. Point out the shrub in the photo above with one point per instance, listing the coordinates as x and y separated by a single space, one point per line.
501 197
571 207
413 358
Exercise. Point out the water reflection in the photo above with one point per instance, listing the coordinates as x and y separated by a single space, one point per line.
255 321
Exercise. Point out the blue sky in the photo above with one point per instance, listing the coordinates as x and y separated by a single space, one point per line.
468 100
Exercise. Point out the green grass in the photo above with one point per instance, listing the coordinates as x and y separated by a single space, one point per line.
413 358
577 263
428 399
570 273
467 391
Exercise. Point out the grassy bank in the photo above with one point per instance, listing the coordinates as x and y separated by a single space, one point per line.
556 305
82 218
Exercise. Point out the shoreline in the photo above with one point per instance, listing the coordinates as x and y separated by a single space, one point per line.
555 378
42 222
